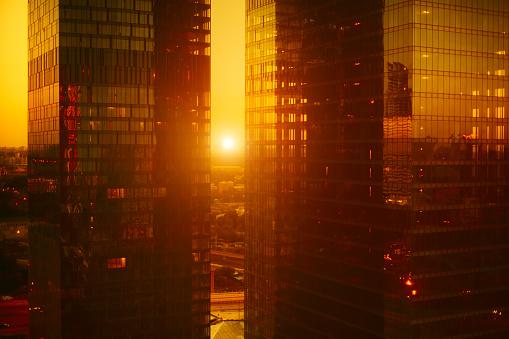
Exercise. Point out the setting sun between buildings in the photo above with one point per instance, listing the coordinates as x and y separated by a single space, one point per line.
228 143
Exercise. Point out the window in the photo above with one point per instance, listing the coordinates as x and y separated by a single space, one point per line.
114 193
116 263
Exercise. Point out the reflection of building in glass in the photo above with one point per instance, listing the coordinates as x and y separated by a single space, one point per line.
376 169
397 124
119 161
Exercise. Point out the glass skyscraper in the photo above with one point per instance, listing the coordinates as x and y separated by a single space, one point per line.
119 168
377 169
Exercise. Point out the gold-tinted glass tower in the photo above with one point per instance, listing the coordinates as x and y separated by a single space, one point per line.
119 168
377 169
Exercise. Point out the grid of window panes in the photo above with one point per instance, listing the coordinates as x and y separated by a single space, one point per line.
133 262
321 262
43 144
456 244
261 166
182 160
390 219
332 263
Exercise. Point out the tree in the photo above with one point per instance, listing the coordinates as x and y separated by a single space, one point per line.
223 277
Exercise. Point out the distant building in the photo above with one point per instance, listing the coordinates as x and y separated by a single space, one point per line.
15 228
224 186
13 160
119 168
213 188
377 178
239 188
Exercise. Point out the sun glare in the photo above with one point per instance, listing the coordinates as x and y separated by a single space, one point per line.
227 143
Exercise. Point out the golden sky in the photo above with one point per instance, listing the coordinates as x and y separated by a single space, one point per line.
13 73
227 72
228 54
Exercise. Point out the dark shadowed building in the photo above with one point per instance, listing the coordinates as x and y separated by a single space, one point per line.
377 169
119 168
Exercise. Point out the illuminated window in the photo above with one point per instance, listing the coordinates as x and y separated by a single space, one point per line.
116 263
291 134
500 132
500 111
114 193
160 192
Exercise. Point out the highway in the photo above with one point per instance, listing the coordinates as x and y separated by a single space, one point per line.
227 298
227 259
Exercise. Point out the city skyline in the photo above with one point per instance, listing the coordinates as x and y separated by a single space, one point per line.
376 177
227 73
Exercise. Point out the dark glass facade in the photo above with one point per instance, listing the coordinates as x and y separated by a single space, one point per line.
119 168
377 169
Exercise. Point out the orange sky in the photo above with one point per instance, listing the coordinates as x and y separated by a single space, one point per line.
13 73
228 17
227 72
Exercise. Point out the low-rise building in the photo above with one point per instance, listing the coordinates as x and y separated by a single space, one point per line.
14 228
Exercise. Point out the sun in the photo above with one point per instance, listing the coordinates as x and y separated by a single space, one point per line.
227 143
